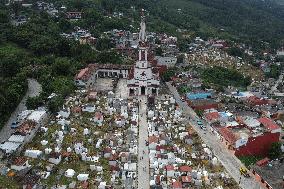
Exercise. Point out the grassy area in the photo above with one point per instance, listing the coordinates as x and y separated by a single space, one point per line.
225 77
250 160
8 183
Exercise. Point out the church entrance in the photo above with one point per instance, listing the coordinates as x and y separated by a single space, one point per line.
154 91
143 90
131 92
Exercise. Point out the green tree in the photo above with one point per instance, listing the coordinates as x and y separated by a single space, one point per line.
166 76
235 51
55 104
275 71
63 86
62 67
34 102
159 51
104 44
275 150
106 57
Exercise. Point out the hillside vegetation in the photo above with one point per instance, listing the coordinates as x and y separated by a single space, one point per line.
249 21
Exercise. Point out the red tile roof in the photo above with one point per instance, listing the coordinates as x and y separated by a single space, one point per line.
212 116
228 135
170 167
85 184
107 150
99 115
153 139
19 161
263 162
268 123
25 127
185 168
186 179
177 184
82 73
257 101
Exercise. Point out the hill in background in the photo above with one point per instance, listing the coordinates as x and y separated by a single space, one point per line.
249 21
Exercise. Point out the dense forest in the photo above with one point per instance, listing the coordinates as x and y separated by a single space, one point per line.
250 21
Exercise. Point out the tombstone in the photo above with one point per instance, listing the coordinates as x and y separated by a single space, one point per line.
214 161
72 185
194 174
44 129
61 137
77 150
83 156
93 167
47 150
57 149
69 149
73 130
99 168
86 131
198 182
44 142
60 133
88 158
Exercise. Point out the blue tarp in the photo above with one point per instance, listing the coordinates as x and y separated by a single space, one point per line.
192 96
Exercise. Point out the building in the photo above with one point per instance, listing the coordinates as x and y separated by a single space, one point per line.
87 76
20 163
74 15
280 52
142 80
169 61
251 137
196 96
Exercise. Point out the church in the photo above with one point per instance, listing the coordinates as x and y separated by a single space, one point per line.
142 80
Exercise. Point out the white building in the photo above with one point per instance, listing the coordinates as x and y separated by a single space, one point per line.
169 61
143 81
20 163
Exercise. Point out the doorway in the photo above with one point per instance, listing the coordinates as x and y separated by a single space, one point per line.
143 90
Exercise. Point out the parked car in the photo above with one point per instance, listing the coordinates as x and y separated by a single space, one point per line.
199 122
14 125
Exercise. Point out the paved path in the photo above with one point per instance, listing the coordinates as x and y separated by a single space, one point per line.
231 163
34 89
143 164
121 89
279 80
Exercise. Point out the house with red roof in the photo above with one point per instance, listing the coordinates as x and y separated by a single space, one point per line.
251 140
170 170
185 169
212 117
186 180
153 142
20 163
256 101
270 125
177 185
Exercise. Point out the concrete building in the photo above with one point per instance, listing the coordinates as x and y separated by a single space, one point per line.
143 81
169 61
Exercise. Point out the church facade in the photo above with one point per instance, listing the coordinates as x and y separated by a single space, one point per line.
142 80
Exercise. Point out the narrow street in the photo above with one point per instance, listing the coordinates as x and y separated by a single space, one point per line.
143 154
279 80
34 89
231 163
